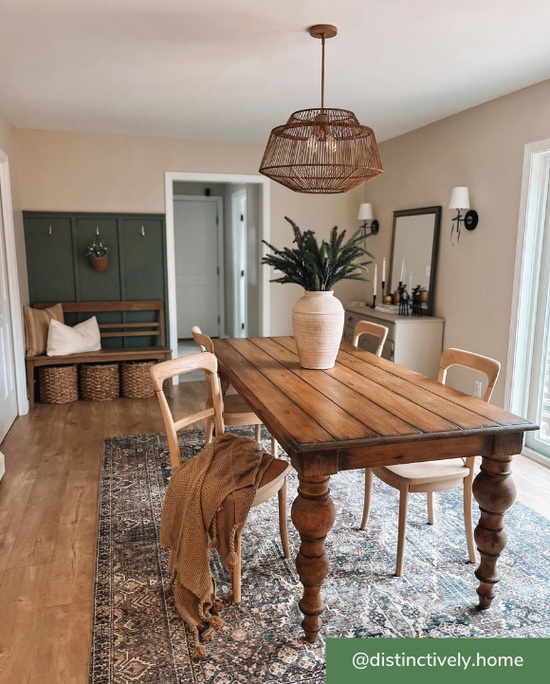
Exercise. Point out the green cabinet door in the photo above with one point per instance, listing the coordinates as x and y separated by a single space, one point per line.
50 265
142 265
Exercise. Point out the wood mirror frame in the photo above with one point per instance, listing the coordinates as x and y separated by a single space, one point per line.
436 211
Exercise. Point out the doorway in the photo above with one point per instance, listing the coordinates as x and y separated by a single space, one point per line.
8 391
256 300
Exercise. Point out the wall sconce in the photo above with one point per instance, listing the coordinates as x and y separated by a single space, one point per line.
460 200
365 215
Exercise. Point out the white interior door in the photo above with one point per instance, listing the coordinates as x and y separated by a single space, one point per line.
8 396
198 252
240 278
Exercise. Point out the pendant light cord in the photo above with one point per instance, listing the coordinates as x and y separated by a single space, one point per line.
323 72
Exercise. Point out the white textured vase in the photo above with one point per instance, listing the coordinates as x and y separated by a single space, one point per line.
318 323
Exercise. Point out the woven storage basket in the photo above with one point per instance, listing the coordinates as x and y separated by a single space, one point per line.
136 379
58 384
99 382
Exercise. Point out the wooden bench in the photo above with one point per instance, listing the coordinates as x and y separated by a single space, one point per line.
136 329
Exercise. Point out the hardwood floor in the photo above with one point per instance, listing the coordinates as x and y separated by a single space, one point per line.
48 526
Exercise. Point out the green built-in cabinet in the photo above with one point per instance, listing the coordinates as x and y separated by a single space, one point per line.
59 271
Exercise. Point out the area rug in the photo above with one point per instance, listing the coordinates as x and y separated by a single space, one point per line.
138 635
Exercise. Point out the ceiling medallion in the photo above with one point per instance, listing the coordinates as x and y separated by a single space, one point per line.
321 151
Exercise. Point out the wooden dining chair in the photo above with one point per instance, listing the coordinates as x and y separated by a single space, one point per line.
374 329
274 479
236 411
435 476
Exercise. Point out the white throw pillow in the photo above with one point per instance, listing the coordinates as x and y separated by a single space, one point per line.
63 340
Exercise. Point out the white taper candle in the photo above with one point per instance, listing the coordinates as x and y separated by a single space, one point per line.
375 280
384 270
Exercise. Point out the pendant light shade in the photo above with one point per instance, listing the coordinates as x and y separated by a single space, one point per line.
321 151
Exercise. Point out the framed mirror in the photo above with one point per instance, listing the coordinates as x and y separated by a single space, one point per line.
414 245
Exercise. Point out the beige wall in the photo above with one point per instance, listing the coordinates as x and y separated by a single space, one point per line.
481 148
91 172
8 145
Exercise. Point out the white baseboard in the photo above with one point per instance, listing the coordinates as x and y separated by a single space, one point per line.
2 465
534 456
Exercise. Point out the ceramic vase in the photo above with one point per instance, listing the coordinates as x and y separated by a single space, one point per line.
318 323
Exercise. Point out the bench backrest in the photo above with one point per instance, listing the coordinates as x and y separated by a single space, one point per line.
118 329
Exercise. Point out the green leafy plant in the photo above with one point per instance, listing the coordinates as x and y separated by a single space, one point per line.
97 249
319 267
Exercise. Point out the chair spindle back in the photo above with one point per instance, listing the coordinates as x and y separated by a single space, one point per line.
168 369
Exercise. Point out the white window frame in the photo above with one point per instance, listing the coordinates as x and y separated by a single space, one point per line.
529 266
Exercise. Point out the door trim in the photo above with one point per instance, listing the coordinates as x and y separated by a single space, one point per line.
221 272
18 339
169 178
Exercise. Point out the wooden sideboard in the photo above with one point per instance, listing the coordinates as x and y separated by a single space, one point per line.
413 342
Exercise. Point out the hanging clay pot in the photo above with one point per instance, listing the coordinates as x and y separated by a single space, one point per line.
100 263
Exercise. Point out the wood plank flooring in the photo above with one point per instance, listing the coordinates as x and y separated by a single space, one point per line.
48 527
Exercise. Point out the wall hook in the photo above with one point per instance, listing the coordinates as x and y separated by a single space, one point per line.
97 230
49 230
143 231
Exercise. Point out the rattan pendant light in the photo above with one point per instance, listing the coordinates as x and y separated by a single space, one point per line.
321 151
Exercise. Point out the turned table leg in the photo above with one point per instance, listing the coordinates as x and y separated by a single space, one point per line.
313 515
495 492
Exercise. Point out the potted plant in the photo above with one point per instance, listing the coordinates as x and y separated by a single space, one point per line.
318 317
99 254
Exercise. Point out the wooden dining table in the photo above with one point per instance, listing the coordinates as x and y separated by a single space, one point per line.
367 412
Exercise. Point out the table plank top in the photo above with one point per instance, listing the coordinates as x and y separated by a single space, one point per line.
363 401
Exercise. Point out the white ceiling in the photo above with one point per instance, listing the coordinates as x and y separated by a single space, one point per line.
234 69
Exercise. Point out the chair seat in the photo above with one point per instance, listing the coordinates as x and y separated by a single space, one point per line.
272 481
236 408
424 473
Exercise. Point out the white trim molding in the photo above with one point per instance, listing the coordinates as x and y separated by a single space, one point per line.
169 178
18 338
527 273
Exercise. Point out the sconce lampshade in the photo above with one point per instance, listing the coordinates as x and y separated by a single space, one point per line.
365 212
460 199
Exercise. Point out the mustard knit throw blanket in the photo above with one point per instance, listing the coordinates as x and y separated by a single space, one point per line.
209 496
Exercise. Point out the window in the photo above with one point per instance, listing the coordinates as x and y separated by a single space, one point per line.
528 381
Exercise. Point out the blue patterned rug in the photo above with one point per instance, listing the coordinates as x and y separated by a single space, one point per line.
138 636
